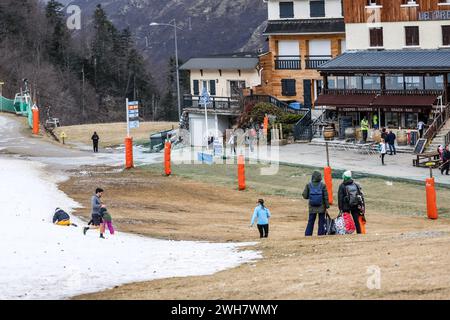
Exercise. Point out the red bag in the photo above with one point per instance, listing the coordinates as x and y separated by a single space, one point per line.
349 223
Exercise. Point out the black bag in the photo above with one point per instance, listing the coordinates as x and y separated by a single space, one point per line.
330 225
353 195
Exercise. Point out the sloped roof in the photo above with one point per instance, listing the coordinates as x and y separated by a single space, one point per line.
305 26
232 61
390 60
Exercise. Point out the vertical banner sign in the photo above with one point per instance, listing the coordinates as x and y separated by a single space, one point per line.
133 114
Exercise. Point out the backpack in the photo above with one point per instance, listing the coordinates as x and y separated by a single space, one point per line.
344 224
315 195
330 225
353 195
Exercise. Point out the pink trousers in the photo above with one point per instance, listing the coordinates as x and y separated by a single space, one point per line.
110 227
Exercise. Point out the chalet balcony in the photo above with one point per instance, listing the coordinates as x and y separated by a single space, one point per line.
288 63
314 62
385 92
216 103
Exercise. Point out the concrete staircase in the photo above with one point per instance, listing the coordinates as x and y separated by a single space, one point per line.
440 137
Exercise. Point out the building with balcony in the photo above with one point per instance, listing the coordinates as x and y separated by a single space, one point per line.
224 77
396 69
302 35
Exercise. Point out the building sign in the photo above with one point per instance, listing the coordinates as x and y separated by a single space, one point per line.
372 109
434 15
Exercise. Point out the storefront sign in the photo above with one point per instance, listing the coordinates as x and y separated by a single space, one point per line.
371 109
434 15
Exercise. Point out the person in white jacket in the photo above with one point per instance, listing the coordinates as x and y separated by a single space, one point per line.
382 150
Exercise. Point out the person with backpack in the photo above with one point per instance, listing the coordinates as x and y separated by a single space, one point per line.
262 214
351 199
317 194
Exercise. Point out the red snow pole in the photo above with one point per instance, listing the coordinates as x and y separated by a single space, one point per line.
129 153
241 172
35 111
167 165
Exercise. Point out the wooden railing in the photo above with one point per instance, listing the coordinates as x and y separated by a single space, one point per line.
314 62
288 63
418 92
437 124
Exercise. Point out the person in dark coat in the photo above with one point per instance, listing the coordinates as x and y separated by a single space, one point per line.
95 138
390 139
344 199
62 218
446 160
312 190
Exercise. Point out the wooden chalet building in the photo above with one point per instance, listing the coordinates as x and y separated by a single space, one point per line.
397 66
302 35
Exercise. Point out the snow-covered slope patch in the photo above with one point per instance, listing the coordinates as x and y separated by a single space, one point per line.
41 261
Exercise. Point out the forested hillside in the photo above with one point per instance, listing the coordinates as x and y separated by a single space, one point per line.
83 77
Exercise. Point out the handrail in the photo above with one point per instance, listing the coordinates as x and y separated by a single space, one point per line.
272 100
437 124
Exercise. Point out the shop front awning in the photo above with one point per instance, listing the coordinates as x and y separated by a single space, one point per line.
404 101
345 100
394 103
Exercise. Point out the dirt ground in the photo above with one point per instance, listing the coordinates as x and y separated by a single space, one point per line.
410 252
112 134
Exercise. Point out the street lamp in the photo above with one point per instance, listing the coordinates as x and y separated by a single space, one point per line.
173 23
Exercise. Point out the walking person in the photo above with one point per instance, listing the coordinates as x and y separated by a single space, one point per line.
97 205
391 137
365 128
233 142
382 151
446 161
95 138
317 194
420 127
375 121
262 215
351 199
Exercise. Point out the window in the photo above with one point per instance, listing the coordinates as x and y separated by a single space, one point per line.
317 9
196 88
394 82
372 83
353 82
446 35
212 87
288 87
376 37
434 83
411 120
286 10
413 82
393 119
412 36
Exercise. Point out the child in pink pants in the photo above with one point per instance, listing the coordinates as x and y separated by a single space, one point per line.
107 220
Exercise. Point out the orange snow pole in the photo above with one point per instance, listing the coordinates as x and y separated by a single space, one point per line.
362 225
266 125
129 153
167 150
36 121
241 172
328 183
431 199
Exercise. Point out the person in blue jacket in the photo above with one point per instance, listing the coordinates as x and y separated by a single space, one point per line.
262 214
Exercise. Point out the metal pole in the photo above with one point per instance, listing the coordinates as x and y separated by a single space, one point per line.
328 154
128 119
178 71
206 124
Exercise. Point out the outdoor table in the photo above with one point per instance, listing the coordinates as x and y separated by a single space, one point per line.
423 158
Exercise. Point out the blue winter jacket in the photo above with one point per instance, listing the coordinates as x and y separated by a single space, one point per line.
263 215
